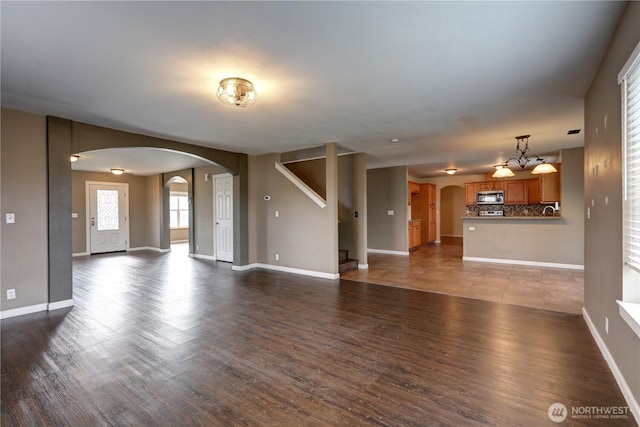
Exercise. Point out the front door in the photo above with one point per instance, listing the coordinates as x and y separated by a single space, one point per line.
223 209
107 215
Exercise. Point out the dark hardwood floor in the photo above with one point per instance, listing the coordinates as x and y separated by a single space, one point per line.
166 340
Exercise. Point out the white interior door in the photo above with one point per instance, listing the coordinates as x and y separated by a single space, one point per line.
108 210
223 217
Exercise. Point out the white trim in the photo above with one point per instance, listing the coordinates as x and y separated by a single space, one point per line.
311 273
627 66
301 185
5 314
148 248
363 266
630 312
180 241
60 304
451 235
200 256
80 254
521 262
37 308
622 384
384 251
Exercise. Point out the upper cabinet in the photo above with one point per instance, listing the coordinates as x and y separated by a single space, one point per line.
550 189
515 192
414 188
470 191
489 185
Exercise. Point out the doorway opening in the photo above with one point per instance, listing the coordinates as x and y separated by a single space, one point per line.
179 212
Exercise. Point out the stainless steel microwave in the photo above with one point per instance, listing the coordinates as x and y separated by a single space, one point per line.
493 197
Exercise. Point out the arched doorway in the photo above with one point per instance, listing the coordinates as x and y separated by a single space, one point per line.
65 137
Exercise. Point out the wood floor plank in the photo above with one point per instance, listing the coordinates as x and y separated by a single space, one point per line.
168 340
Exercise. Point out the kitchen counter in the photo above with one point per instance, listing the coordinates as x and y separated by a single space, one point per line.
520 218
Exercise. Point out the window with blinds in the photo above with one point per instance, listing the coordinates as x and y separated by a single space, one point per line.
631 151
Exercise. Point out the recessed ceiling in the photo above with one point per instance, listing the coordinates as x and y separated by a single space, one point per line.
455 82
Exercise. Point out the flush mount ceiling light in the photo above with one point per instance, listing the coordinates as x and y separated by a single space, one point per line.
74 158
117 171
451 171
236 91
523 159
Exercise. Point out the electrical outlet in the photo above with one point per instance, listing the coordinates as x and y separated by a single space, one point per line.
10 218
472 228
606 325
11 294
277 257
277 213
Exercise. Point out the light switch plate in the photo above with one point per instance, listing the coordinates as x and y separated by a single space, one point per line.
10 218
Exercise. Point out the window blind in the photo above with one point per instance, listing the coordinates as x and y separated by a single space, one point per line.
631 130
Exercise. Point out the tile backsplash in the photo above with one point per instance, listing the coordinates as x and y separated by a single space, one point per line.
511 210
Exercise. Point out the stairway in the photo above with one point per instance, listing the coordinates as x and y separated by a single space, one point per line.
344 262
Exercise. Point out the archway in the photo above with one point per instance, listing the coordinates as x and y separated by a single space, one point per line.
65 137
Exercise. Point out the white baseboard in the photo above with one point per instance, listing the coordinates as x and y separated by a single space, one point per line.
5 314
387 252
21 311
244 267
303 272
148 248
80 254
180 241
205 257
363 266
528 263
60 304
634 405
451 235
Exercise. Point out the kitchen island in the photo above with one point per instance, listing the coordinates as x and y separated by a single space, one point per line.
528 240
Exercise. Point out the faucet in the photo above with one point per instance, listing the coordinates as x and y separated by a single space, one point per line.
553 210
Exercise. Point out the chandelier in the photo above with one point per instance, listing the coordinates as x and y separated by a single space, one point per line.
236 91
523 160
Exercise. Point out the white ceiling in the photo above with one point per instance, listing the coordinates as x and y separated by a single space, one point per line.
454 81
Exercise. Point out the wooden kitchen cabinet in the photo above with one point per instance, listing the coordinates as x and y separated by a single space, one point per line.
515 192
431 194
414 187
533 191
470 192
550 189
489 185
431 224
415 234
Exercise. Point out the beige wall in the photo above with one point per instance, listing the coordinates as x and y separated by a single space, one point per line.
303 235
452 208
603 180
24 254
154 206
138 204
387 190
